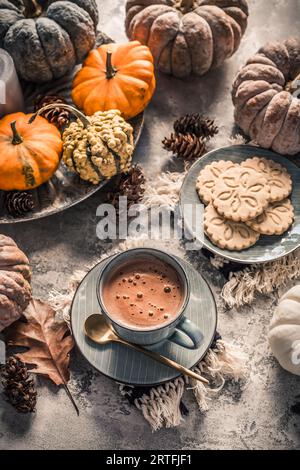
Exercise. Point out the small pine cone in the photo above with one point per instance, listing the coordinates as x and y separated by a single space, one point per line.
196 124
19 387
188 147
19 203
57 116
131 185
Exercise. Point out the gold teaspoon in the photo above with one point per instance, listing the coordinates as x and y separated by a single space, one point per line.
100 332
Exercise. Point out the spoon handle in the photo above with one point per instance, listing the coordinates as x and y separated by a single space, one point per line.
164 360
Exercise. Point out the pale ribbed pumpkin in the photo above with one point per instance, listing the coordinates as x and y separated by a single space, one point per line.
115 76
266 97
284 333
29 153
187 36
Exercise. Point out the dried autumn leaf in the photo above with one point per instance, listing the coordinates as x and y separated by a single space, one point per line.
49 342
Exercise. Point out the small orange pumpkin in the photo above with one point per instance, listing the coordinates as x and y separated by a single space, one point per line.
115 76
29 153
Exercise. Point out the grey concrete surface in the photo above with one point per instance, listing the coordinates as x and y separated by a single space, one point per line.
257 417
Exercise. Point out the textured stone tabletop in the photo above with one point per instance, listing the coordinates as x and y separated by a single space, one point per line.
257 417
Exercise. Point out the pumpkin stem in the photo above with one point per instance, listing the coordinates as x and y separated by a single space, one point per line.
185 5
110 69
17 139
32 8
85 121
293 87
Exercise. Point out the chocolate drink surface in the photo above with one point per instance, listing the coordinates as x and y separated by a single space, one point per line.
143 294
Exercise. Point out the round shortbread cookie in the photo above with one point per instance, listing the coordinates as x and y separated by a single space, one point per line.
278 178
208 177
275 220
241 194
234 236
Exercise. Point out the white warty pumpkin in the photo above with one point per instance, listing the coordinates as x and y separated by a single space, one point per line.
284 334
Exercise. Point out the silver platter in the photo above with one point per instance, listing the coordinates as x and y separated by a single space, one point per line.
65 189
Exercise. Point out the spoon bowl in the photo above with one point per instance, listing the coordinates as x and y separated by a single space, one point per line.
97 329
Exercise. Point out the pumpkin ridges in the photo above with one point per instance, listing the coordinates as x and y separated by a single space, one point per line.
140 26
101 89
241 4
25 32
274 63
197 30
60 58
98 98
290 131
128 82
145 77
23 127
32 162
238 16
86 79
227 19
14 282
144 19
129 90
102 55
140 53
70 39
76 26
121 95
45 158
258 72
29 167
93 60
89 6
126 53
18 162
253 107
164 30
141 63
7 119
237 33
218 21
274 118
12 165
181 56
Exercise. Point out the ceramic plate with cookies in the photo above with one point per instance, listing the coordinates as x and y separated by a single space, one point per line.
250 203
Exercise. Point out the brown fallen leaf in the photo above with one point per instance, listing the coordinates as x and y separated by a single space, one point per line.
49 343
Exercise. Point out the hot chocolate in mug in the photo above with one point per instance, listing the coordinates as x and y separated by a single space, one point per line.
143 294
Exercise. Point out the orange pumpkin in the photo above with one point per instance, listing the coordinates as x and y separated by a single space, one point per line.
29 153
115 76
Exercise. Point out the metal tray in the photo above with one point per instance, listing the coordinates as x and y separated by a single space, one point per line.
65 189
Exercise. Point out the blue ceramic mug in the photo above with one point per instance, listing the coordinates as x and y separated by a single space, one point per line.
180 330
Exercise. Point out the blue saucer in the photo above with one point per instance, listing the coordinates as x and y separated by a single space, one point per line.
125 365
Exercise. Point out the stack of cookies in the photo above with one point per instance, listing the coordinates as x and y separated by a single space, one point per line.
245 201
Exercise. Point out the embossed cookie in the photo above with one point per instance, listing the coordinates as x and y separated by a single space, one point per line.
241 194
226 234
208 177
275 220
278 178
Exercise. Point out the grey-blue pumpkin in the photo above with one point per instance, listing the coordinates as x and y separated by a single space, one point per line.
47 39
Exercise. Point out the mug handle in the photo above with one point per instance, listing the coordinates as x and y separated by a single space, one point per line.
185 329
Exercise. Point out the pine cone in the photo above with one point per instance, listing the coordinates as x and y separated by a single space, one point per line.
18 386
196 124
131 185
19 203
189 147
57 116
